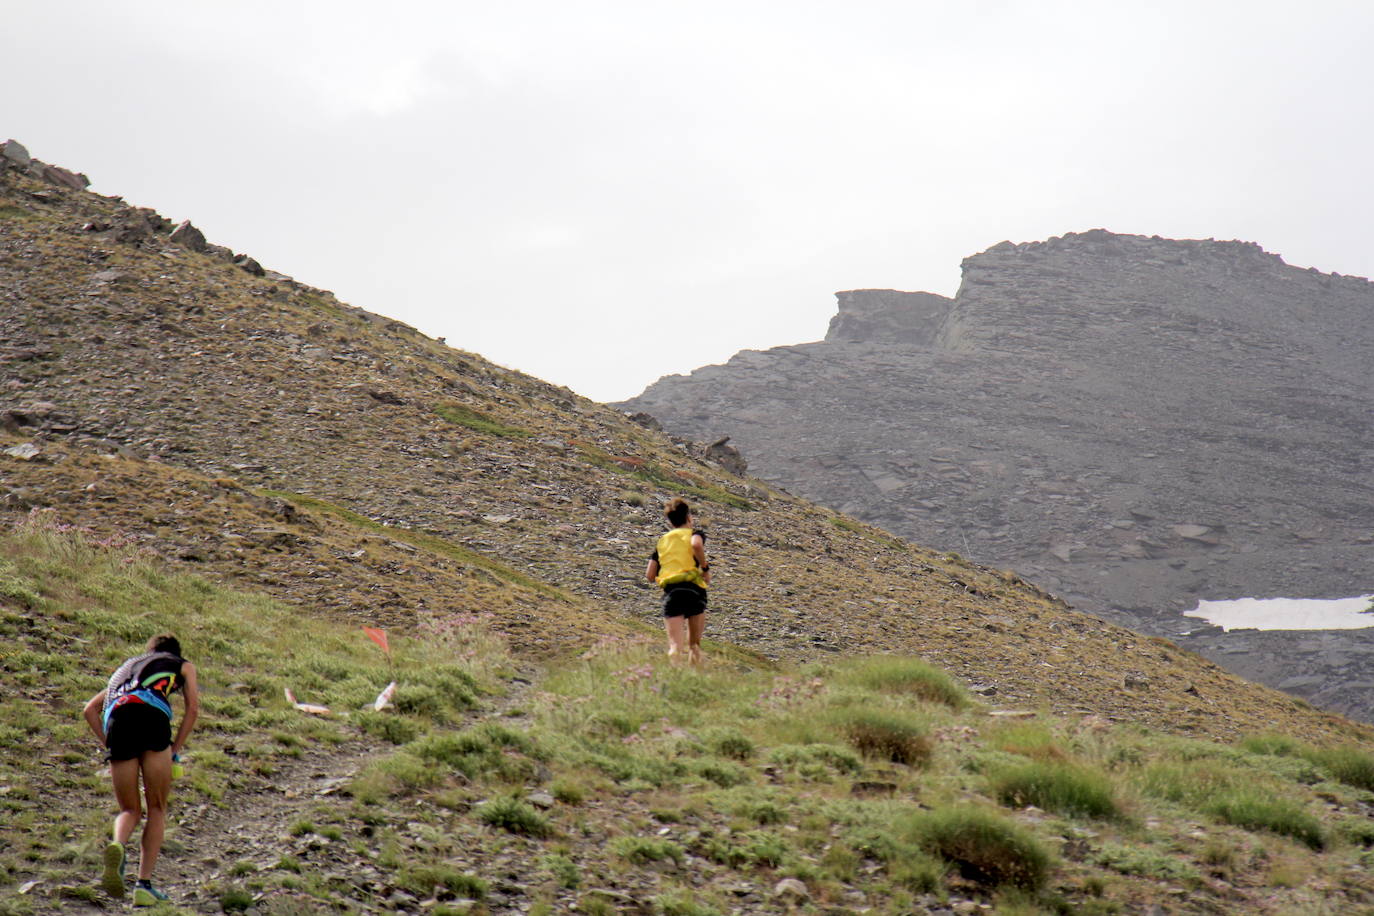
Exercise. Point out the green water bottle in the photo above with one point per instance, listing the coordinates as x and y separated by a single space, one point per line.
178 770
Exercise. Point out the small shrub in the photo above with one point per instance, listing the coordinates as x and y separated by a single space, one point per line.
476 420
1275 745
729 742
479 751
766 849
406 773
1190 784
753 848
762 811
1145 862
1219 853
894 674
1357 830
395 729
593 904
816 761
235 899
721 772
1349 765
983 845
568 792
1253 810
1063 788
564 870
841 862
919 873
884 735
515 815
422 880
643 850
1028 740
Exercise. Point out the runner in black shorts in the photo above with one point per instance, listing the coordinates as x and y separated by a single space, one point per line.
132 717
679 566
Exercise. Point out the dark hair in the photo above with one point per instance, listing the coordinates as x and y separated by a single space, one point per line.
165 642
677 511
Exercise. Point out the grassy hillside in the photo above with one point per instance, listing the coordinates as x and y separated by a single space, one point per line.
472 487
265 469
610 782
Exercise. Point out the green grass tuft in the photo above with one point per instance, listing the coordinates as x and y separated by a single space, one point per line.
983 845
1275 745
643 850
1254 809
563 869
478 421
883 734
755 848
514 815
893 674
729 742
423 880
816 762
1349 765
1064 788
1149 863
235 899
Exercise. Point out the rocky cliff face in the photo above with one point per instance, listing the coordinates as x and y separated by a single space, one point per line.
1133 422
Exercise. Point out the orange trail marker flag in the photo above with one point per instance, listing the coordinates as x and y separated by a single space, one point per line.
379 637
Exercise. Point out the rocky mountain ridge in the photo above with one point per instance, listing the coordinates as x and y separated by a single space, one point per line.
1135 423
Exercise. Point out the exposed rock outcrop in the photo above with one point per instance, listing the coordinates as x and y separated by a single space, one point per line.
1133 422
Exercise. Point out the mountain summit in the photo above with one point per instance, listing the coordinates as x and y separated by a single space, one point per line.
1134 422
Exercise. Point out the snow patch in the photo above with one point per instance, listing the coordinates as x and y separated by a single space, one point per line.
1288 613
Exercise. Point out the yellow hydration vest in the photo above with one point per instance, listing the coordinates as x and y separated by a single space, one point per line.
676 562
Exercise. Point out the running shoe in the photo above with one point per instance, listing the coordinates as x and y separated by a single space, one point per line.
147 895
113 879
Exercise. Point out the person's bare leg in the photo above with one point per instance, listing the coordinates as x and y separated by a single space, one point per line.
157 784
695 627
677 637
124 775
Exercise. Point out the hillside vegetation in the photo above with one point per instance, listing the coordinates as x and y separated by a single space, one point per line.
263 469
610 782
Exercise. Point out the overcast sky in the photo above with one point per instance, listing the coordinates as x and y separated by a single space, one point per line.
601 193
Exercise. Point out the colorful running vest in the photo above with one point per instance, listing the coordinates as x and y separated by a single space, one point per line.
676 562
150 678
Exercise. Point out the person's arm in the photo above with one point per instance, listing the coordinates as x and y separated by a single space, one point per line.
190 695
95 706
651 571
699 552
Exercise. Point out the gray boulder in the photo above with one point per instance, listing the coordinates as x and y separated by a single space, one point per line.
13 152
188 236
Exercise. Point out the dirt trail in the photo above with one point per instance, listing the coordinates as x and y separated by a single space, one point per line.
213 845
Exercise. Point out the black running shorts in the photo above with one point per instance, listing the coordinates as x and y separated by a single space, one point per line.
135 728
684 600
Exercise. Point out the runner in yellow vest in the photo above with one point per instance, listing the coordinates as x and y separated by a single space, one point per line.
679 567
